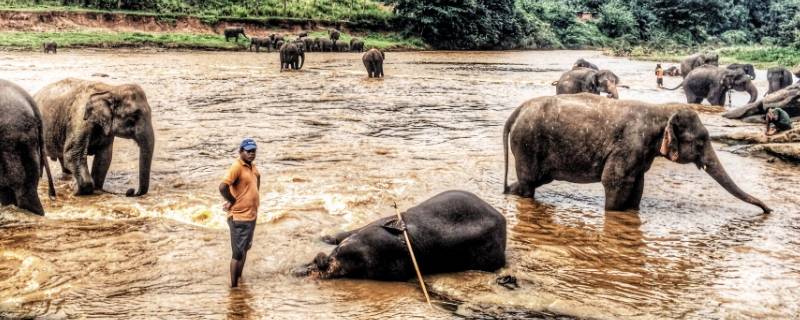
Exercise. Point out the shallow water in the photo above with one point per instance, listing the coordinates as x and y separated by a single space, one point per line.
336 150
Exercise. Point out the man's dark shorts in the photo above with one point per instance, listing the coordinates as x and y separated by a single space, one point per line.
241 237
660 81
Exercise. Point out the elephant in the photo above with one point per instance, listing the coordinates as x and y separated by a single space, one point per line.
713 83
300 44
787 99
373 61
289 56
341 46
672 71
581 63
747 68
82 118
325 45
450 232
50 46
278 44
698 59
22 154
356 45
302 34
588 80
334 35
609 141
260 42
234 32
309 44
778 78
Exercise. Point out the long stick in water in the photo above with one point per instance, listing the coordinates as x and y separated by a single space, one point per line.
413 258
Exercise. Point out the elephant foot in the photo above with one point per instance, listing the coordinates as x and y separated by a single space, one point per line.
65 176
518 190
85 189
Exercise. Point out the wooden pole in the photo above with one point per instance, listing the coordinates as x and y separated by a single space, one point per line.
413 258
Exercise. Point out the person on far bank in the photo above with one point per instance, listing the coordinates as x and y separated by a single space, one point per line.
779 119
659 76
240 189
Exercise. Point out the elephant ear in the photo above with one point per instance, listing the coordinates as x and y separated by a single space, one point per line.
669 144
99 110
394 226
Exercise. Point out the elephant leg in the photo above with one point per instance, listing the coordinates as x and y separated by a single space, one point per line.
6 196
28 198
622 188
527 181
100 165
637 190
380 70
76 162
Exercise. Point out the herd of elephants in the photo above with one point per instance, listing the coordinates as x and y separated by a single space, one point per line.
576 135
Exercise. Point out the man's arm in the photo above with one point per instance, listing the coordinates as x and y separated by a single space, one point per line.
225 191
259 183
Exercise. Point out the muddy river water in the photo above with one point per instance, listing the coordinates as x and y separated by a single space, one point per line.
336 150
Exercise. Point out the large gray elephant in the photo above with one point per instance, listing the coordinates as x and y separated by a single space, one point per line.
234 32
713 83
588 80
21 150
778 78
550 141
82 118
453 231
697 60
373 61
787 99
290 54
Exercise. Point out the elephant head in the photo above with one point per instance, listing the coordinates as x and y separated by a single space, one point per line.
739 80
686 140
331 266
711 58
606 81
778 78
124 112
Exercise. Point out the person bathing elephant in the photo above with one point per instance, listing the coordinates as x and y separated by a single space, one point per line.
259 43
22 152
373 61
581 63
697 60
747 68
624 139
453 231
713 83
82 118
778 78
588 80
234 32
290 54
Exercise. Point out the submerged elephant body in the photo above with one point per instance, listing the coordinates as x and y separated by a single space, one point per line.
787 99
453 231
82 118
588 80
21 149
585 138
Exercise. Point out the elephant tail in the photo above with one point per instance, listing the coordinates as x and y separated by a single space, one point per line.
302 59
506 129
51 188
555 83
676 88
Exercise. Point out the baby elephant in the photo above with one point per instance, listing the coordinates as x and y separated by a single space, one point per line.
373 61
50 47
453 231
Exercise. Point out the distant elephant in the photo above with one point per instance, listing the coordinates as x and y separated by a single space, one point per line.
290 54
50 47
581 63
672 71
778 78
309 44
747 68
260 42
697 60
787 98
341 46
317 45
453 231
277 41
82 118
279 44
302 34
713 83
325 45
334 35
22 152
356 45
300 44
588 80
234 32
584 138
373 61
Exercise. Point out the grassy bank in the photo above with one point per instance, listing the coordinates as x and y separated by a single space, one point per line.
760 56
98 39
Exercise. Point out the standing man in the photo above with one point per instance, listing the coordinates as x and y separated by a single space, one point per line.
240 190
659 76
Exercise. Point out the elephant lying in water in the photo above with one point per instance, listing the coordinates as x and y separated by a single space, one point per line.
608 141
588 80
453 231
82 118
21 150
787 99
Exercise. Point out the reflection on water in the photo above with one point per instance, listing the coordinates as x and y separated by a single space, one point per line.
336 150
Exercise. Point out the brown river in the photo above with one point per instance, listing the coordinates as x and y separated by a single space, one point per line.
336 149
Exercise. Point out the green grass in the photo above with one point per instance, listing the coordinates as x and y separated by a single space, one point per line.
383 41
761 57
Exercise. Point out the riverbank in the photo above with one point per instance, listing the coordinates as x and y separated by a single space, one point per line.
760 56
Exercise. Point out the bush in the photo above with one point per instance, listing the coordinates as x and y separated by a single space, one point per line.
616 19
735 37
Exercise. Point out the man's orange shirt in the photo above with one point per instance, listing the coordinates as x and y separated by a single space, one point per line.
242 179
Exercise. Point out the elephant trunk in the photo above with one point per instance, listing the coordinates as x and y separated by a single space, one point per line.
751 89
714 168
612 91
302 58
146 142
